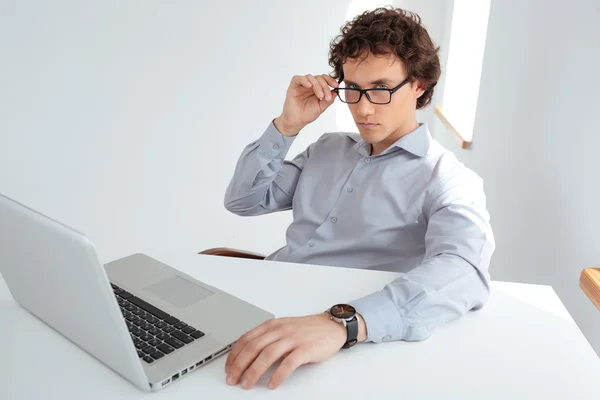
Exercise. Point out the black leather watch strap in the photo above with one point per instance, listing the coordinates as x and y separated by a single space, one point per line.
352 330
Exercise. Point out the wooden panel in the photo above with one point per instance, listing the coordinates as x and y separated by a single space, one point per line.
465 142
590 283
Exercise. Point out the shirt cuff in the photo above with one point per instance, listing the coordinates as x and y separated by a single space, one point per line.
381 317
273 144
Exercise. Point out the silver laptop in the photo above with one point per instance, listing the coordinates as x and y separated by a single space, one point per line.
147 321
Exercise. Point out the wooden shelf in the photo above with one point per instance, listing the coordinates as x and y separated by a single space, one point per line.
465 142
590 284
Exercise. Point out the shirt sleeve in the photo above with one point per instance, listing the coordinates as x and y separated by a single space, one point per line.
263 181
453 277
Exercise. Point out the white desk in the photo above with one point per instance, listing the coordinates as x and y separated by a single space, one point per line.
522 345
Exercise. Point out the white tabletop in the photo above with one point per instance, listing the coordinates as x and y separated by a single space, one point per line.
522 345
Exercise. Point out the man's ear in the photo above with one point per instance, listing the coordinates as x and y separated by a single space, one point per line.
419 88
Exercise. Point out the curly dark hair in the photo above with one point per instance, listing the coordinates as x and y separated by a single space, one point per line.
388 30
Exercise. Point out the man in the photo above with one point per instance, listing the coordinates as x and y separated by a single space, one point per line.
390 199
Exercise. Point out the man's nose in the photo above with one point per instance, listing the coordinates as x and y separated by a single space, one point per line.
364 106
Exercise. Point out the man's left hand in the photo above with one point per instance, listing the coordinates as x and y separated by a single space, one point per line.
298 340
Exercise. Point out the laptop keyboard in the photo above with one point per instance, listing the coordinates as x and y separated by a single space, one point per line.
154 332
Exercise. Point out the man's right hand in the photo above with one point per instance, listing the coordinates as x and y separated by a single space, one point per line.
307 98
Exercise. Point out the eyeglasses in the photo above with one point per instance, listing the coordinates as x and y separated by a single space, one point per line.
375 95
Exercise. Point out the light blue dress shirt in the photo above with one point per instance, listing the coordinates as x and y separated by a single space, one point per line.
413 208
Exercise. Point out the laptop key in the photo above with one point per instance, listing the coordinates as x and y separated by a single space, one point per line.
148 307
171 320
125 295
157 354
154 342
180 325
141 354
188 329
146 326
163 336
197 334
174 343
129 307
138 332
148 359
146 337
168 329
160 324
114 286
122 303
148 349
139 322
155 331
182 336
141 345
118 291
137 311
152 319
131 317
165 348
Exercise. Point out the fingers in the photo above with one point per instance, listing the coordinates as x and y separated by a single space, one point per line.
244 340
316 86
289 365
328 94
249 354
301 80
268 356
319 84
330 81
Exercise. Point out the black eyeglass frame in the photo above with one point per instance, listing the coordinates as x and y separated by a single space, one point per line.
366 92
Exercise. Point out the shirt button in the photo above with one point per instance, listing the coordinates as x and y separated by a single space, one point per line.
350 190
367 160
386 338
311 245
275 147
334 220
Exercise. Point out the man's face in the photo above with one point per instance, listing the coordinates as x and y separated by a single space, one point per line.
382 124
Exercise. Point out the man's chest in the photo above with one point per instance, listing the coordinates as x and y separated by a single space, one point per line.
383 192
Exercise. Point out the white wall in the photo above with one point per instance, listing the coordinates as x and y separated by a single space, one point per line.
536 142
124 119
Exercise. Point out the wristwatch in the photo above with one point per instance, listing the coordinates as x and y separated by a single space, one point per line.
346 315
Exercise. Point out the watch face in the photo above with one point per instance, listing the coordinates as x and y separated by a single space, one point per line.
343 311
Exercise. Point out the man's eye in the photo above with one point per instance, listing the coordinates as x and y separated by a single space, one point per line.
353 87
381 86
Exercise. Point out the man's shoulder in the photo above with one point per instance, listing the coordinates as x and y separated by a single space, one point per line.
447 170
334 142
338 136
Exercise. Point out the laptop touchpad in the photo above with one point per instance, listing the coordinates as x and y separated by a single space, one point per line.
179 291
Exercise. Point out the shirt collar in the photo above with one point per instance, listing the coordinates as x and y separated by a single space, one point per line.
416 142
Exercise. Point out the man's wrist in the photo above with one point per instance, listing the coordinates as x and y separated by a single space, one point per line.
362 327
284 128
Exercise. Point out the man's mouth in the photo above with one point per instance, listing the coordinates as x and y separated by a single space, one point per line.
367 124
